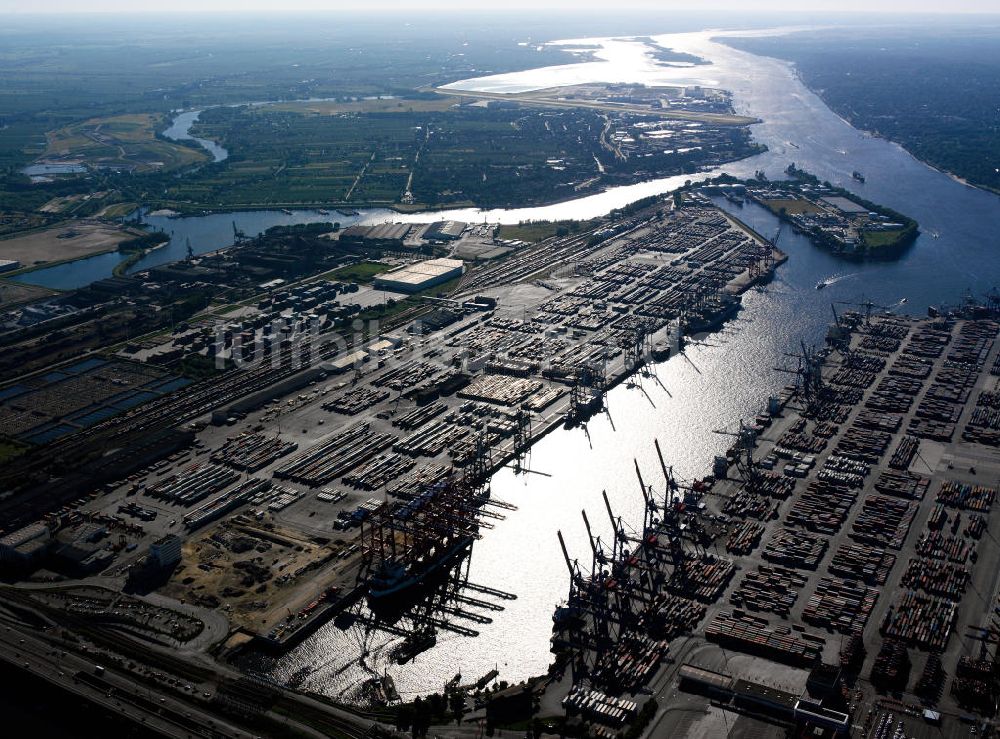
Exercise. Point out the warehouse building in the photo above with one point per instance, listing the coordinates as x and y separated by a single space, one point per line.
9 265
25 545
383 234
419 276
445 231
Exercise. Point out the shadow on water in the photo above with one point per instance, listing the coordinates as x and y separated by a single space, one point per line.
713 385
717 381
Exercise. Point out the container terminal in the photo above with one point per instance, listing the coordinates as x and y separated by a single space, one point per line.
352 489
835 574
256 495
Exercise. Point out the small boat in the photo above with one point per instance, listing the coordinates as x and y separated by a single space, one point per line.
416 643
821 284
287 212
858 176
323 212
902 301
389 688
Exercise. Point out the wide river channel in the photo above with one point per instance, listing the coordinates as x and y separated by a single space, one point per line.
717 382
727 377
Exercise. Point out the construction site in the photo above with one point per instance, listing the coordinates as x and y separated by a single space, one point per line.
835 574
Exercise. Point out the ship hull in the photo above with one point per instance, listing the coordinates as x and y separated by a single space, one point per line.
413 584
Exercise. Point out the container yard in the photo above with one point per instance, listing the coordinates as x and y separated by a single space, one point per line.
855 509
275 492
848 520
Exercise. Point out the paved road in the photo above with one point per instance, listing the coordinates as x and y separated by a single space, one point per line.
118 692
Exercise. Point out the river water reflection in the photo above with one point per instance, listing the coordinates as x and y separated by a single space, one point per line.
180 130
718 381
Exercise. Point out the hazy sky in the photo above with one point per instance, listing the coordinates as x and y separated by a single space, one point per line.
284 6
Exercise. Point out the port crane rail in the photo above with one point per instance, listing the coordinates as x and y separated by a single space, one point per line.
808 376
617 598
441 514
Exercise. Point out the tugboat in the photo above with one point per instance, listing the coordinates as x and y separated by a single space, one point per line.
419 641
858 176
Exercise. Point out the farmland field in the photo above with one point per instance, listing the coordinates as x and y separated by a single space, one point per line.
430 152
125 142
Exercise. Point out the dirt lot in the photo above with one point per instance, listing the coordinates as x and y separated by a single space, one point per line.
82 239
257 574
792 207
12 293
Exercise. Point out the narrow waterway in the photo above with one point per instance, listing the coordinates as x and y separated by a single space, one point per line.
180 130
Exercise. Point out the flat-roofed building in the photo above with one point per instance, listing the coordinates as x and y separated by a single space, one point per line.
346 362
707 681
420 276
815 713
445 231
845 205
25 545
166 550
385 234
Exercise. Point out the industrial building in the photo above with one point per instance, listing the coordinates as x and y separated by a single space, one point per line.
445 231
9 265
345 362
419 276
25 545
78 550
166 550
383 234
762 698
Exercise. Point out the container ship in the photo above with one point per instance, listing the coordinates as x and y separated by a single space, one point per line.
398 580
409 547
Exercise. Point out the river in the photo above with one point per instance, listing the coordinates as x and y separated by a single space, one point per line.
797 127
727 377
180 130
717 382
